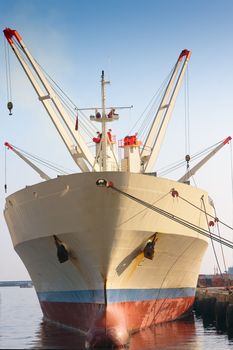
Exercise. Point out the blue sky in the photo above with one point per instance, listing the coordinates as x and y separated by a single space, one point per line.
136 43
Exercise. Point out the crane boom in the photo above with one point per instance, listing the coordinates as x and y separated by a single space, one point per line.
193 171
33 166
157 131
52 103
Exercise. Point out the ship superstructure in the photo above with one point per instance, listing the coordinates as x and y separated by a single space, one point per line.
138 265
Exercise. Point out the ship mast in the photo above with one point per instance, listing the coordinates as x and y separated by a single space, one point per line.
106 155
103 120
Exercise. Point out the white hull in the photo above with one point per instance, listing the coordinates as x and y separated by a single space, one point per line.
104 232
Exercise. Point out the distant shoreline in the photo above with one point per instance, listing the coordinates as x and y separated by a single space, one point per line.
21 284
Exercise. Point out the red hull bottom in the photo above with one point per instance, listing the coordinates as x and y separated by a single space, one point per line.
112 325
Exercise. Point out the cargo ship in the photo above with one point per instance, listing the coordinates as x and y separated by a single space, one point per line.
112 249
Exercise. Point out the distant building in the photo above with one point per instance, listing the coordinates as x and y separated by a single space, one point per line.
216 280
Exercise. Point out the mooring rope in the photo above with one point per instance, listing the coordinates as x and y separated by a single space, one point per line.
168 215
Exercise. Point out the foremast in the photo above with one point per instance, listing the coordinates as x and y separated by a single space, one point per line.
106 152
104 131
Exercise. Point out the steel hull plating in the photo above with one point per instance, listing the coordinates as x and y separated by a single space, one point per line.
107 288
115 320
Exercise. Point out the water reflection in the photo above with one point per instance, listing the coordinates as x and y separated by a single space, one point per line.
21 328
180 334
173 335
52 336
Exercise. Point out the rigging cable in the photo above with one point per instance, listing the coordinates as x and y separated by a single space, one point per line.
154 97
223 256
62 92
69 104
231 162
212 243
187 133
177 219
165 276
86 128
72 107
5 173
174 166
8 77
213 217
85 122
173 217
44 162
187 122
148 120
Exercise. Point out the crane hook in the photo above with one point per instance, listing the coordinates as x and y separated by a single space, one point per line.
10 107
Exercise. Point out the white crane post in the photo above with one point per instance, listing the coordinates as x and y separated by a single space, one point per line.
157 119
162 117
193 170
80 149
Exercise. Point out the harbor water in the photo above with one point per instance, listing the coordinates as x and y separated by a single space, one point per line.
22 327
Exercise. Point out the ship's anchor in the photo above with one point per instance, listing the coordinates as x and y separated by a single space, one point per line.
62 252
149 249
